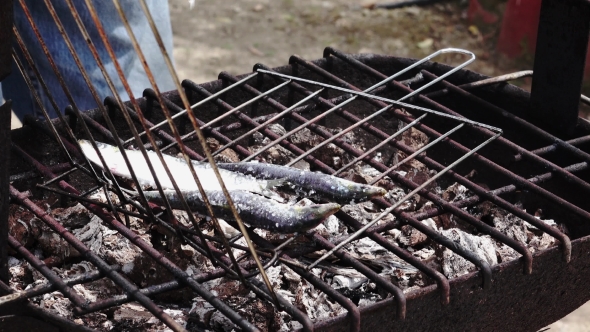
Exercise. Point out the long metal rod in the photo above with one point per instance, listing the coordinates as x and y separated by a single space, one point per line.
218 93
356 93
5 114
94 258
237 108
205 148
401 201
519 181
50 287
381 144
48 273
262 125
417 152
383 99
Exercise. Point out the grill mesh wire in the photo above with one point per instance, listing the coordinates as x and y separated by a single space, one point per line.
329 99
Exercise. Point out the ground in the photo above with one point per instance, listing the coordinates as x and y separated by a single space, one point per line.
235 36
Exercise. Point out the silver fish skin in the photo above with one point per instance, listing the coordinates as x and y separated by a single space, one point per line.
255 210
178 167
323 185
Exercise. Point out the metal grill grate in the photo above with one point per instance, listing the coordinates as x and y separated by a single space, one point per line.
329 99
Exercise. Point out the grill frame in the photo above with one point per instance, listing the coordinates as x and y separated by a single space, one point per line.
423 295
423 300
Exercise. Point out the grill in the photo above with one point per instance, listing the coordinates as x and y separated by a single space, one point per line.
455 150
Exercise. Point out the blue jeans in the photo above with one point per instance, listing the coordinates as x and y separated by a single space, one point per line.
15 88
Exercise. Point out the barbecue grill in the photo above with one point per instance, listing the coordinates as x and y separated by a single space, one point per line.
455 149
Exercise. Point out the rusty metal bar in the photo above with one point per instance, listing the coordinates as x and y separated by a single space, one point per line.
50 287
51 276
5 114
6 21
89 255
529 127
552 148
218 93
518 180
145 247
565 241
461 251
485 82
204 146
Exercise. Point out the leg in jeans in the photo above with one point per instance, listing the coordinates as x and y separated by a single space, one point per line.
14 86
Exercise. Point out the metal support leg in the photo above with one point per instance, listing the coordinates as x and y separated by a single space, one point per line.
4 160
5 38
562 41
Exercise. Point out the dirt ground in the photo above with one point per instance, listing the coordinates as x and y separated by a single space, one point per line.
233 36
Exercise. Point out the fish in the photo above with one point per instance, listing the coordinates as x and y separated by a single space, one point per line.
311 183
255 210
179 170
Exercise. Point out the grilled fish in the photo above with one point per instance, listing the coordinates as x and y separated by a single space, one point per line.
255 210
323 185
178 167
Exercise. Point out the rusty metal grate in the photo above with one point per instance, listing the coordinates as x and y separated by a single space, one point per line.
328 98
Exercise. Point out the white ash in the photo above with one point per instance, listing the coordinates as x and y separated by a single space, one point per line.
275 154
454 265
72 217
198 314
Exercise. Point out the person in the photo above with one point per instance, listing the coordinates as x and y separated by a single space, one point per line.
16 89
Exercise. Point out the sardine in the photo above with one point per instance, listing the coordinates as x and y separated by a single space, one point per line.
328 186
255 210
179 169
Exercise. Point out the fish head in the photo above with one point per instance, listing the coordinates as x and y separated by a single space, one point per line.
312 215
